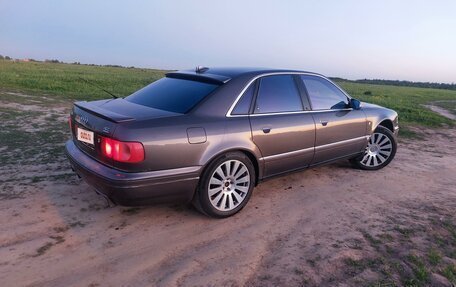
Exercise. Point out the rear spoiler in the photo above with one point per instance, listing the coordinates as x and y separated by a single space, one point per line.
102 113
200 77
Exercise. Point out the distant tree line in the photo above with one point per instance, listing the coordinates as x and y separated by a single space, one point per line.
55 61
431 85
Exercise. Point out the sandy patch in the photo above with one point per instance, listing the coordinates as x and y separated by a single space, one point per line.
441 111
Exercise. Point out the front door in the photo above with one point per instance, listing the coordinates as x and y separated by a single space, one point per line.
283 132
340 131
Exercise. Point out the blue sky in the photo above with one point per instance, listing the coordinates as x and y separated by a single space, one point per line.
407 40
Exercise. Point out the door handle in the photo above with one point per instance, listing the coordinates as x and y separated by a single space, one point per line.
324 123
266 130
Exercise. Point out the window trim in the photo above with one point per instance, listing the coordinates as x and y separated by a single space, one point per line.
229 115
306 104
255 95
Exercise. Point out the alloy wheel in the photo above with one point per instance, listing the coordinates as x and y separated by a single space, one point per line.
229 185
378 150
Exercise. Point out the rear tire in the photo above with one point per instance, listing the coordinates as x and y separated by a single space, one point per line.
379 152
225 186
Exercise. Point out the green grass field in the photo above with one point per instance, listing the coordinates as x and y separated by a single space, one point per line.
62 81
407 101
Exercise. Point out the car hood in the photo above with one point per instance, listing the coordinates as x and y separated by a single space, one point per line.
369 105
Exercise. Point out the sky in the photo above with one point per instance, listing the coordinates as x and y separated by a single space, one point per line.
404 40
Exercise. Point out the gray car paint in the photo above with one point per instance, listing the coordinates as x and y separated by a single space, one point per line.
178 141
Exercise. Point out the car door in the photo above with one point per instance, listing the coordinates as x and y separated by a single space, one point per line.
339 130
281 129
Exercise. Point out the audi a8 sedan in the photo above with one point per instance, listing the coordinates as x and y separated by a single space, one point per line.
210 135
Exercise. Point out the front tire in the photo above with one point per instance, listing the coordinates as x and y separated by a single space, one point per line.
225 186
379 152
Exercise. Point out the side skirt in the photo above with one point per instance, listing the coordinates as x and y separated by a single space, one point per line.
310 166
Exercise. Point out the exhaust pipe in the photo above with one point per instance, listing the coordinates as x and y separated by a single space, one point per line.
109 202
79 177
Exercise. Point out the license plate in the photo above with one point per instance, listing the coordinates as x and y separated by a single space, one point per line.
85 136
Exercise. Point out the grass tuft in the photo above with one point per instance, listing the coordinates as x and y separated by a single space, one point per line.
419 269
450 273
434 257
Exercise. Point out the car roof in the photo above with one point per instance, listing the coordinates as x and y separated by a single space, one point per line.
220 75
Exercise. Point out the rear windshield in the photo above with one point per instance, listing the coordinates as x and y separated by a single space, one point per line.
174 95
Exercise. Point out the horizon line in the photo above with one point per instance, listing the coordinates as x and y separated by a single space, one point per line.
56 61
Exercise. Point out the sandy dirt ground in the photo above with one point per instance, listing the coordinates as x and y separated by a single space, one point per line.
441 111
311 228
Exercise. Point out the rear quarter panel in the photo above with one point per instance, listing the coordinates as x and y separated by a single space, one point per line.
167 145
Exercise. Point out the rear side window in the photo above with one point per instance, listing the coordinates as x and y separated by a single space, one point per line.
323 94
243 105
174 95
278 94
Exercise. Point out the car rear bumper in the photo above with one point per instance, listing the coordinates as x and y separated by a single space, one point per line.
139 188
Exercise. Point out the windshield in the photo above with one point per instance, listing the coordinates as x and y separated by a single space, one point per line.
174 95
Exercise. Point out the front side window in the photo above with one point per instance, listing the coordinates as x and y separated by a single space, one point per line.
174 95
323 94
278 94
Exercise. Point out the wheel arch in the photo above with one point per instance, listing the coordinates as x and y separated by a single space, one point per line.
248 153
377 116
387 123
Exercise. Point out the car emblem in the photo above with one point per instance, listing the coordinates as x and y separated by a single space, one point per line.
106 130
82 119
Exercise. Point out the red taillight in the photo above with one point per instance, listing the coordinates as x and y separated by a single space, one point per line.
122 151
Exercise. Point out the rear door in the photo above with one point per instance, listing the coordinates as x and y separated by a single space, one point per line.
282 130
340 130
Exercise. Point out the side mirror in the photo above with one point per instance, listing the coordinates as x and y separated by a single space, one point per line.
355 104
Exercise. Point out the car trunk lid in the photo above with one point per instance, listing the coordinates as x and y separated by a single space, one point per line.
93 120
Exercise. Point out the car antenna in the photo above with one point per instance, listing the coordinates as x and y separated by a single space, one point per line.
96 86
201 69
